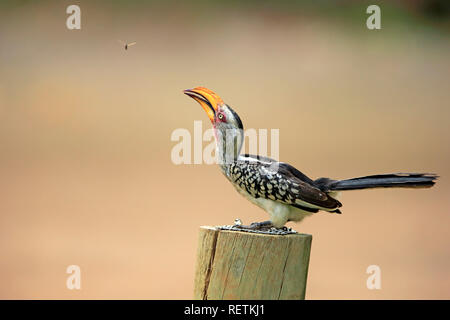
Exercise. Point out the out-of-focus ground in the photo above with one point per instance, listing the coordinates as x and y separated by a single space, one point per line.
85 167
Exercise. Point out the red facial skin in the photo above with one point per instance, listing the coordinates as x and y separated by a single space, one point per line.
219 115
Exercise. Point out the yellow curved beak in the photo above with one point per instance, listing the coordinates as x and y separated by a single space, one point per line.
207 99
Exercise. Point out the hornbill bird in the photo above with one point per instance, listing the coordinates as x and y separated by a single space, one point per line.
277 187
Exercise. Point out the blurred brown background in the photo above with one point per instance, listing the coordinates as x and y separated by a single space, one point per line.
85 171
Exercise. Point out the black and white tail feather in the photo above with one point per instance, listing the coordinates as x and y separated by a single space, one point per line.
393 180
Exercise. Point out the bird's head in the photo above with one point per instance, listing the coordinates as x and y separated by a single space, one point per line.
220 114
227 125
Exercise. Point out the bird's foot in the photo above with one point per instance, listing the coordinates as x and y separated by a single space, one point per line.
265 225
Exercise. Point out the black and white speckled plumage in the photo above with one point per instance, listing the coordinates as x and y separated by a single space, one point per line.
266 178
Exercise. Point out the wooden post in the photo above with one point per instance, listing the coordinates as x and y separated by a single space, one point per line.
244 265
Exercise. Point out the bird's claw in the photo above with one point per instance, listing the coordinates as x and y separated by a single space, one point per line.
260 226
266 225
258 229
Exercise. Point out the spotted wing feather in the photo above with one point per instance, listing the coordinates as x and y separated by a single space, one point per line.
266 178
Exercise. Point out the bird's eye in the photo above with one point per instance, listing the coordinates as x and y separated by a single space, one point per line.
220 116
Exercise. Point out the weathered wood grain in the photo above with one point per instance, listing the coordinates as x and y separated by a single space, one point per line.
242 265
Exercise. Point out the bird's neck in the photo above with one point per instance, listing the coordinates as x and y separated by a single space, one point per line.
228 145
